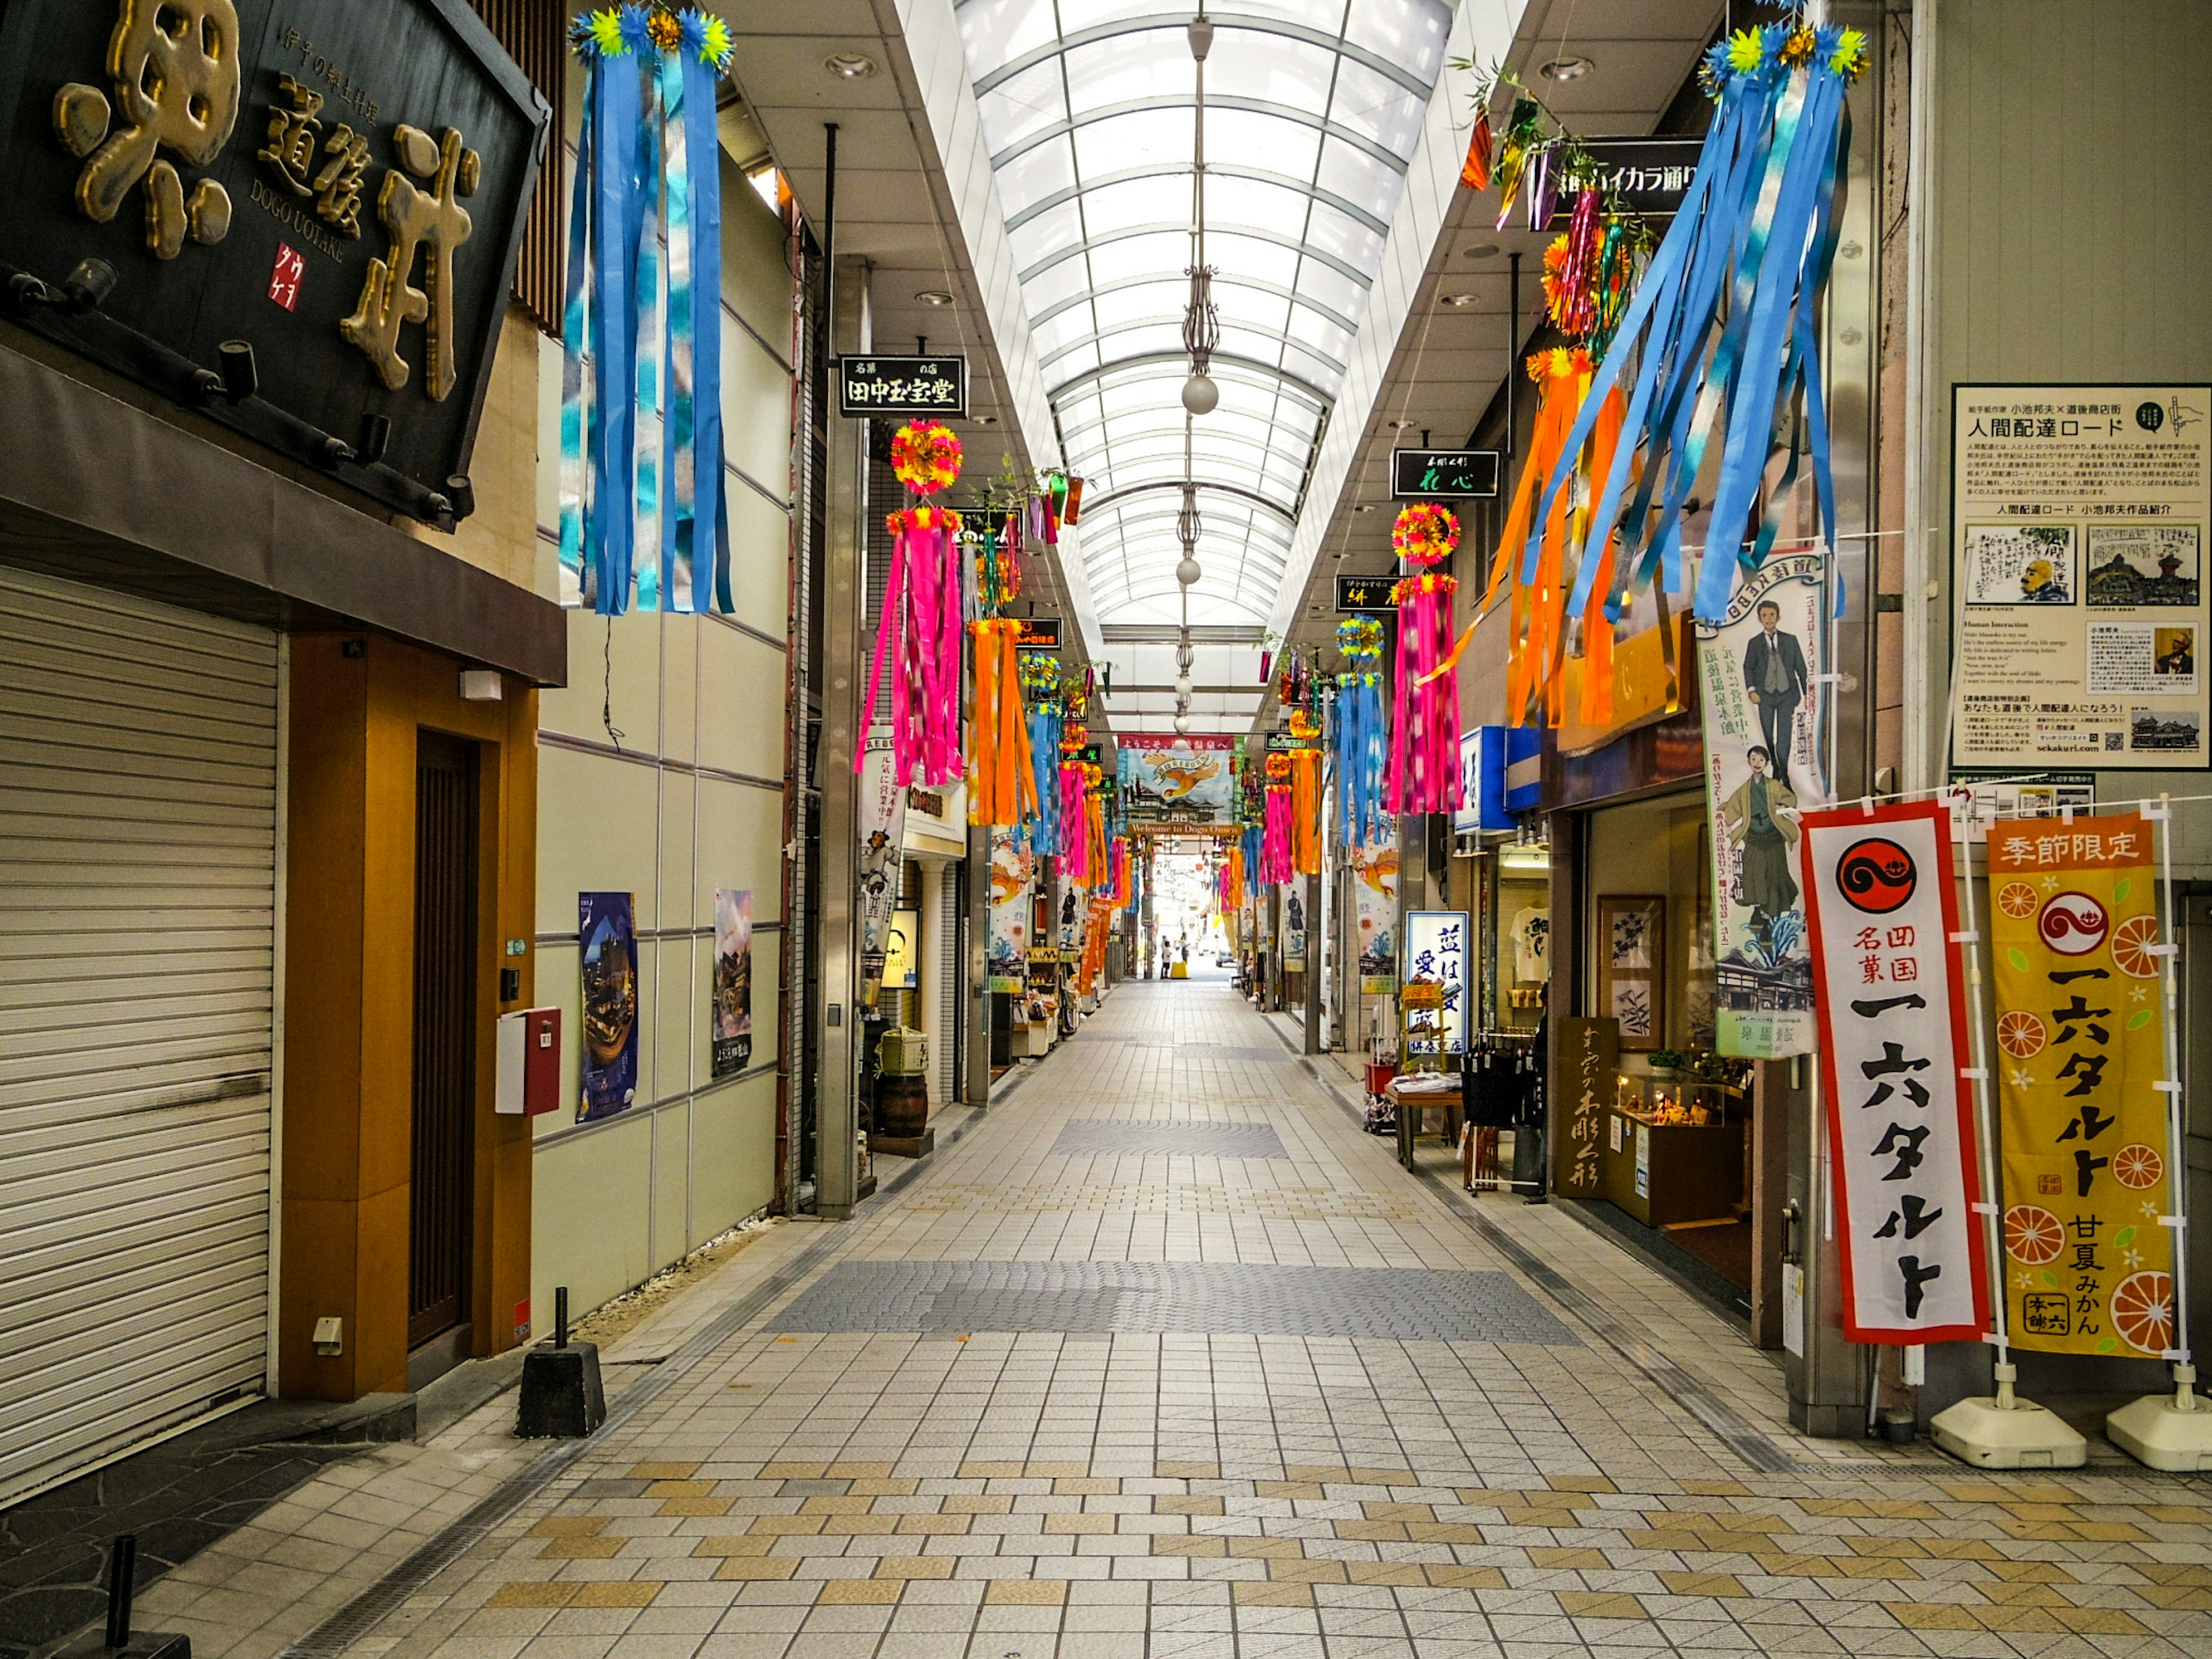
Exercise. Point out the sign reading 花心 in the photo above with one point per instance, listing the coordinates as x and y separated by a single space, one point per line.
1883 915
342 184
1454 475
2078 519
902 385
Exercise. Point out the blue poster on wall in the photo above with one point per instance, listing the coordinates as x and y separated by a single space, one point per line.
609 947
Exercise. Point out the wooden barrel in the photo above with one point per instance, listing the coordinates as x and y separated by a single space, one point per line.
902 1103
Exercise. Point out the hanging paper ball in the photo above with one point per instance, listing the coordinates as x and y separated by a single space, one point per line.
907 520
665 28
1303 726
1072 737
1279 766
925 457
1424 532
1360 636
1040 677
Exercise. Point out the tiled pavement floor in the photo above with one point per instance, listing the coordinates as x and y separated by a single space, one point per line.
780 1493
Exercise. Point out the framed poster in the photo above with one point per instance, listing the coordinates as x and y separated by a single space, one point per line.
608 938
1436 954
733 980
902 951
1631 968
2078 519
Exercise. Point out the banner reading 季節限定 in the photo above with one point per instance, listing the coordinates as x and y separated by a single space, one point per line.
2074 937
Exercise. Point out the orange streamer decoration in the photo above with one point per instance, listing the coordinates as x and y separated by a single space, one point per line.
1001 776
1305 812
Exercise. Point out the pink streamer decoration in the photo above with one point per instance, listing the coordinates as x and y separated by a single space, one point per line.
1275 840
921 614
1074 826
1424 775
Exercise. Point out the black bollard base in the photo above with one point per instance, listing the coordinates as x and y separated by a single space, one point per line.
562 1398
143 1645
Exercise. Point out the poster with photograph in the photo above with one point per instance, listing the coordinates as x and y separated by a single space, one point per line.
2078 519
1762 668
1013 872
1161 783
608 941
1375 906
733 980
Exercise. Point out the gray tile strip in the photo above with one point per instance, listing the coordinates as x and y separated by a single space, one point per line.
1166 1137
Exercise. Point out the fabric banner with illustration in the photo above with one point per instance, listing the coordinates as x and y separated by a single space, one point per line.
1761 676
879 825
1193 784
2074 939
1013 872
1375 906
1882 912
609 942
733 980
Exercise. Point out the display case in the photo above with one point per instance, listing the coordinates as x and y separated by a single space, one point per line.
1674 1150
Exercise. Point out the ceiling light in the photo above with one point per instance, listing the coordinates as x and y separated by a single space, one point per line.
849 66
1484 251
1199 395
763 181
1399 426
1456 300
934 296
1566 69
1187 571
1181 724
1182 686
984 420
1364 506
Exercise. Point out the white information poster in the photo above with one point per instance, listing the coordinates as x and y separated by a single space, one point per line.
2078 519
1763 697
1884 913
1437 951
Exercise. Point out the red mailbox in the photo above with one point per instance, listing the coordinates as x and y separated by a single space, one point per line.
529 1062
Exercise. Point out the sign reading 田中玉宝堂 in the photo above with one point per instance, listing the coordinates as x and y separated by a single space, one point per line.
902 386
342 184
2078 519
1883 915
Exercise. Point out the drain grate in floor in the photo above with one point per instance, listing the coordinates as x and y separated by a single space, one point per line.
1115 1137
1387 1303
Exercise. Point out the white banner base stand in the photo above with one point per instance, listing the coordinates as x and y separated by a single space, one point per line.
2008 1432
2167 1430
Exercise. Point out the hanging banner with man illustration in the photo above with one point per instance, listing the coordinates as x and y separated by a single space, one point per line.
1882 913
1763 702
2076 941
1013 874
1161 783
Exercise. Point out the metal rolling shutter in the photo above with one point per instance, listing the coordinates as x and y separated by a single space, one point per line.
138 863
945 1041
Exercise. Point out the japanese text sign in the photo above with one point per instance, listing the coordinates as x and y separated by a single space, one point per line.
1588 1073
366 165
1440 475
1891 997
2075 940
1436 951
902 385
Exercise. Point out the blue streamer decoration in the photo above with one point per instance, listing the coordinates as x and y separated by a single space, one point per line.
644 509
1759 223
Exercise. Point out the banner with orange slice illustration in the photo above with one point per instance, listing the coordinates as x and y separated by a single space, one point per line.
2074 932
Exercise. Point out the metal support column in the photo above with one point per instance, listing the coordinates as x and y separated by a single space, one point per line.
845 591
1315 942
975 1085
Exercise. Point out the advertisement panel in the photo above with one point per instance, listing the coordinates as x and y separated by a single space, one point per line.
1160 781
733 980
608 941
1762 668
1883 916
2076 941
2078 518
1437 953
1375 907
1013 872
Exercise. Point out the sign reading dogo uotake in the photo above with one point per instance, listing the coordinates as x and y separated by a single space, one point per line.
340 184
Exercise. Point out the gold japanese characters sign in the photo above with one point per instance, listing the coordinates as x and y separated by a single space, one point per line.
341 184
2076 943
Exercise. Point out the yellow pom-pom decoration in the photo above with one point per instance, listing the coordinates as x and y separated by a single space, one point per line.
925 457
1425 533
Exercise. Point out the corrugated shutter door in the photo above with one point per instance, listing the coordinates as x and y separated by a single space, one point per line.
137 867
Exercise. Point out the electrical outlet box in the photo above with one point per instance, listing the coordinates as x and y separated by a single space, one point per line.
329 1335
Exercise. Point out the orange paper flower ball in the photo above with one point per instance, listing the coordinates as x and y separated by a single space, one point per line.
1279 765
1425 533
925 457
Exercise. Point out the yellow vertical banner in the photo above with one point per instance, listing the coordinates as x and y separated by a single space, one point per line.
2075 943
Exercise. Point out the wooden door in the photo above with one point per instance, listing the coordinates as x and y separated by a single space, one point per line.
445 1034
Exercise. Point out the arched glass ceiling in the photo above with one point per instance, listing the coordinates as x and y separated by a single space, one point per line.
1312 110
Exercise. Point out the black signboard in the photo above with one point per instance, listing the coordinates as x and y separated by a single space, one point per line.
902 385
341 185
1368 595
1651 175
1039 634
1444 475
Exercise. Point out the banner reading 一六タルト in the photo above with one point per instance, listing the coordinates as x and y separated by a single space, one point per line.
1883 916
2081 1052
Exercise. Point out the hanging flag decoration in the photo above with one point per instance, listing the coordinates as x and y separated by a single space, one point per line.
1305 811
1363 751
1096 870
1276 868
918 632
1072 850
2090 1198
1883 913
1425 773
1002 780
642 502
1041 691
1722 331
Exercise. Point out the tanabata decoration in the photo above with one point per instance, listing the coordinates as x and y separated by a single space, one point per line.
1275 865
1758 220
1071 859
1474 172
1537 642
1002 780
1425 773
918 632
1305 811
1252 867
1363 751
1041 690
1096 872
641 502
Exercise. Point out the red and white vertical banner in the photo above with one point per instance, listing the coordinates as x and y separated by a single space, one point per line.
1889 987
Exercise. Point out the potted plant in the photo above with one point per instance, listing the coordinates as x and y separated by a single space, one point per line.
1665 1065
